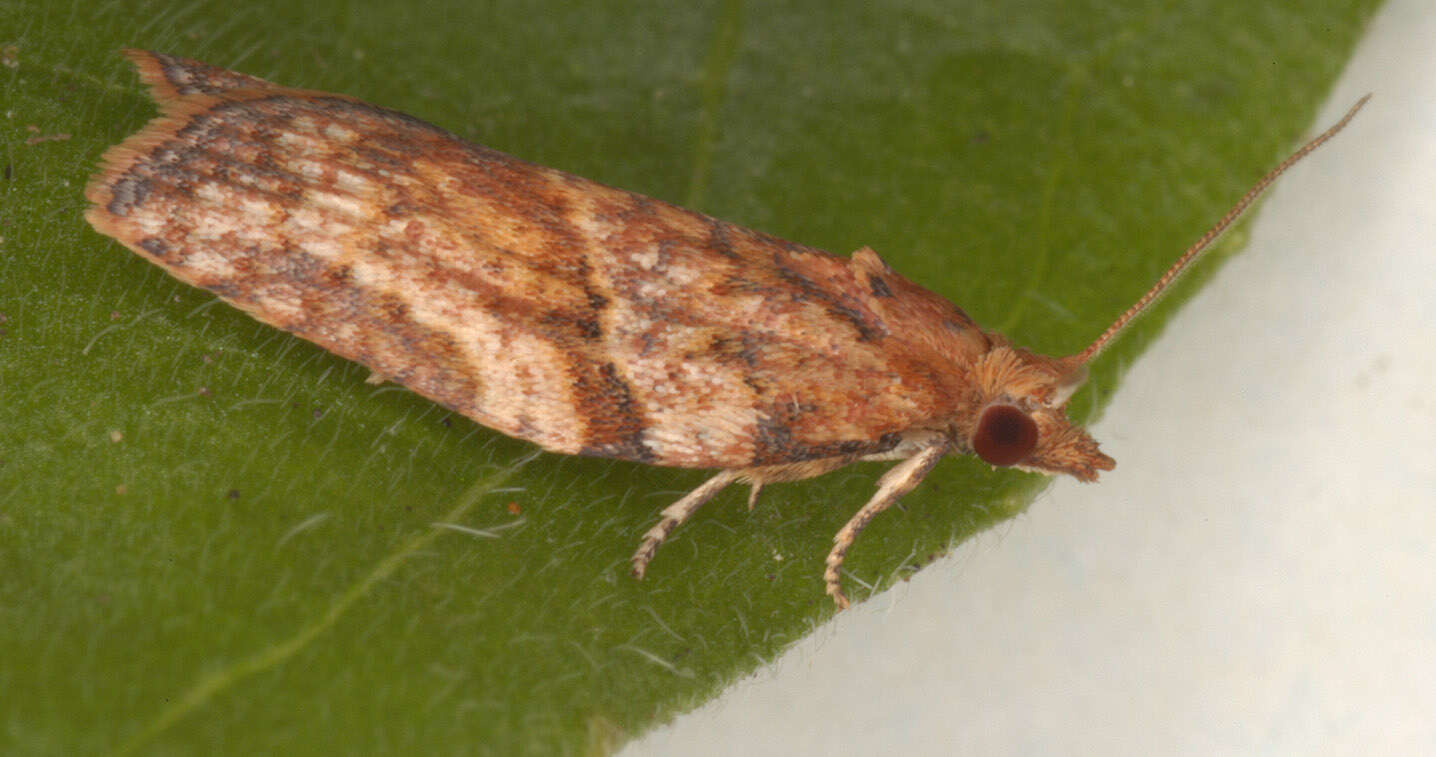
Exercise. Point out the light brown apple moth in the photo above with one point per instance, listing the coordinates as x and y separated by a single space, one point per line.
585 319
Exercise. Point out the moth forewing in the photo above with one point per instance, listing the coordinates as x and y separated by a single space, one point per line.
580 317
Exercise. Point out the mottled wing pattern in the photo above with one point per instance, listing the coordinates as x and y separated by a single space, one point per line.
580 317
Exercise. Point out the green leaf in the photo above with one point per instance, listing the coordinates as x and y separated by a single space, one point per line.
217 538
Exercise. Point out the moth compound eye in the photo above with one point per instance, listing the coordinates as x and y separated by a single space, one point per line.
1005 435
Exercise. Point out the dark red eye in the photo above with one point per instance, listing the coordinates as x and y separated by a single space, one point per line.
1005 435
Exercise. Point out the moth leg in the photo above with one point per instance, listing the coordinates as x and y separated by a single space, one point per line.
761 476
675 514
898 481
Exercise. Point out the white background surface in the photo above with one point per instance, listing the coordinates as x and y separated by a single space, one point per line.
1259 573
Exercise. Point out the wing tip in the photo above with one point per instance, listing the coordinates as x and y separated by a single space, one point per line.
180 87
172 78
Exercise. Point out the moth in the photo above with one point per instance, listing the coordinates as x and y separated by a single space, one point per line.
583 318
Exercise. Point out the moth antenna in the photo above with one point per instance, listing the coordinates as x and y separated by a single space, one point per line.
1205 241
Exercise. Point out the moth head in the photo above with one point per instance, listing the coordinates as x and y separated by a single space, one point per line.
1021 419
1021 401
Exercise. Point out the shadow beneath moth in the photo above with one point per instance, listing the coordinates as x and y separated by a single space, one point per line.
585 319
